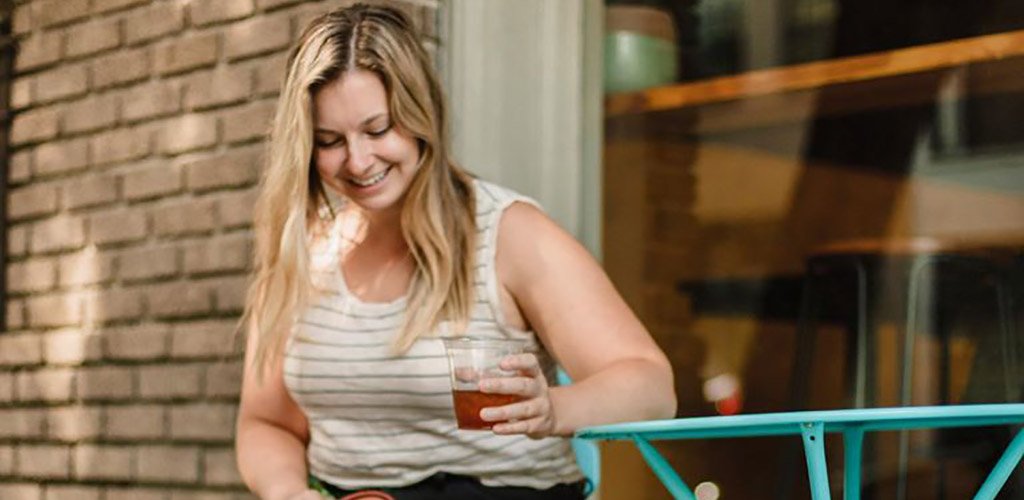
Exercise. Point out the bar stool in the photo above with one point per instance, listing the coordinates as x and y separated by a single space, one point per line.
917 283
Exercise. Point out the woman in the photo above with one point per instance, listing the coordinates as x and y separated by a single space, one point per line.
371 245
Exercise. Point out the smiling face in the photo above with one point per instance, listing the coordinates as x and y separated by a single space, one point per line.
358 149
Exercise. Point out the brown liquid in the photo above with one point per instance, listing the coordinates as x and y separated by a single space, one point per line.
469 403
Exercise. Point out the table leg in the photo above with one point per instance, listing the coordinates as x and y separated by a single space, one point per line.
853 443
817 471
864 328
663 470
1003 468
917 269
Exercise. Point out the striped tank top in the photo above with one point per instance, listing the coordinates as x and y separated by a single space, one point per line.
383 420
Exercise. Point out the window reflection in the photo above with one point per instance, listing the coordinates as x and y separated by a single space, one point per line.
825 209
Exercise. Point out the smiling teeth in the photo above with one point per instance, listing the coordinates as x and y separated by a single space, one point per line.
371 181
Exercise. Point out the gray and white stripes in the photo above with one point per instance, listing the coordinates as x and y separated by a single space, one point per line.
381 420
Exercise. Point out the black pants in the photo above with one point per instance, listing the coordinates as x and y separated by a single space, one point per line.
455 487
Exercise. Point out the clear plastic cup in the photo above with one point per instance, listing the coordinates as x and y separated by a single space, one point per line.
470 360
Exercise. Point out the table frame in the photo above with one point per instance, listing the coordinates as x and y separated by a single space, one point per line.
812 426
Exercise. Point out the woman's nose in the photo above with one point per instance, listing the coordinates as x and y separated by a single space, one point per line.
359 158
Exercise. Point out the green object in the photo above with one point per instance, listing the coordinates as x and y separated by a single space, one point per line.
812 426
588 455
318 487
634 61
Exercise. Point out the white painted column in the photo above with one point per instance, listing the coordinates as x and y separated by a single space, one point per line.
523 81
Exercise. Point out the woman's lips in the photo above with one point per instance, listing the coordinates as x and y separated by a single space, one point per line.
371 181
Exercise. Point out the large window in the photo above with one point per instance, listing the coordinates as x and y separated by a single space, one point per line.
821 205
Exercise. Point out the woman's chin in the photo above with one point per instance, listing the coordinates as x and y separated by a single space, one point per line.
385 196
376 203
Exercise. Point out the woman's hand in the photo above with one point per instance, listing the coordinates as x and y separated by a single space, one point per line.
534 415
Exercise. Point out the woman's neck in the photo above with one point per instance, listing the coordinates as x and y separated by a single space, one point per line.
376 263
382 232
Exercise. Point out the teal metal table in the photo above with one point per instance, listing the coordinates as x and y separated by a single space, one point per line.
812 426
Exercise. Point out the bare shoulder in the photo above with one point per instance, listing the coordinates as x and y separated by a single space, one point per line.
522 220
565 295
531 244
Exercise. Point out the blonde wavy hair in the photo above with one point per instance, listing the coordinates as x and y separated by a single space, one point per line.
437 216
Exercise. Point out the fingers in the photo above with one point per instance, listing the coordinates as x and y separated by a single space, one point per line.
523 364
529 383
520 386
526 363
465 374
533 415
534 428
522 410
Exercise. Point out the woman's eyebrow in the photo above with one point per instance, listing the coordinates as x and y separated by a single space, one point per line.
319 129
374 118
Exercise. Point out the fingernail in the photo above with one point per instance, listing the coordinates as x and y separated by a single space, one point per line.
487 414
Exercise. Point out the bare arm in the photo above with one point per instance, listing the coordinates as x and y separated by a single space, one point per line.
619 373
271 437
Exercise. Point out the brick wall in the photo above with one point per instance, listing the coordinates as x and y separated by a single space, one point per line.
137 146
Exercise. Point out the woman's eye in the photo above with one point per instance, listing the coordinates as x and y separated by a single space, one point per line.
327 144
379 132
